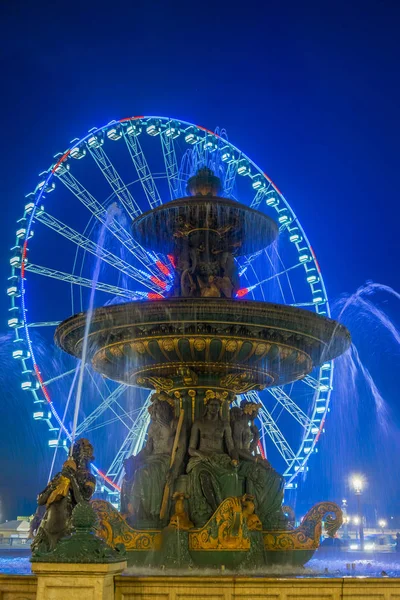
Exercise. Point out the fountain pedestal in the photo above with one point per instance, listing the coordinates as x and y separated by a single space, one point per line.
76 581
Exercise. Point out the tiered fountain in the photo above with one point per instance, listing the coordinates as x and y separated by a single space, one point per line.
201 492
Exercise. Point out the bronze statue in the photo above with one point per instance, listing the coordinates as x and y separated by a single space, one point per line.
261 480
147 473
73 484
213 464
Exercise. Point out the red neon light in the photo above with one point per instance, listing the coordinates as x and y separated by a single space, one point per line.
130 119
164 269
207 130
242 292
40 379
315 260
62 159
261 449
24 250
104 476
161 284
171 259
320 430
273 184
152 296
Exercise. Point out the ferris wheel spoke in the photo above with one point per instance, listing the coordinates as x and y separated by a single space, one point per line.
311 382
230 178
110 406
44 324
170 161
271 277
272 429
46 383
115 181
132 444
290 405
142 168
105 255
82 281
102 215
260 195
110 421
100 409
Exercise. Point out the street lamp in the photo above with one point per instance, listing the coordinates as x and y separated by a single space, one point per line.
382 524
357 483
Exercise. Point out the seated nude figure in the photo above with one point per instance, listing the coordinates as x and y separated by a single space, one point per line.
213 457
261 480
147 473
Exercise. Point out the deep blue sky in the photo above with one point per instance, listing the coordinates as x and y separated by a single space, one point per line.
310 90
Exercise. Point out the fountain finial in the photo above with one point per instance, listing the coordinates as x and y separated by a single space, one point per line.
204 183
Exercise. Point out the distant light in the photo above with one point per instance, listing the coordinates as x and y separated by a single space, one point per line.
382 523
356 520
354 546
369 546
357 483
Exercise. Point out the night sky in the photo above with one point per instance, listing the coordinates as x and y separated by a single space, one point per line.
309 90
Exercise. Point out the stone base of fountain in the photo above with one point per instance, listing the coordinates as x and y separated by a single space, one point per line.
233 538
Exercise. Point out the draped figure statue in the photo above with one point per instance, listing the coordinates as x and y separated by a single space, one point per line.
261 480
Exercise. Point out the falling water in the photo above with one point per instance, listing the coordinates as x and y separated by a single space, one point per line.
110 215
360 312
71 389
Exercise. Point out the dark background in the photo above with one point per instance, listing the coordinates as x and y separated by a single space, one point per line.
310 90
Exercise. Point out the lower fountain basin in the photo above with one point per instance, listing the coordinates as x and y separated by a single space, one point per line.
242 343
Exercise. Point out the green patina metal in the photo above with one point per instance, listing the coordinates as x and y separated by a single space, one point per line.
83 545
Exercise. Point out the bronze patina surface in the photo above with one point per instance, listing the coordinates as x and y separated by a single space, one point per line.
270 343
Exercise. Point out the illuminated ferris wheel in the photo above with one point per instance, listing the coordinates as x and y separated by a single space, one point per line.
109 177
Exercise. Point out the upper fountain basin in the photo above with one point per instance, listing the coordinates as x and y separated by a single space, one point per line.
222 220
267 344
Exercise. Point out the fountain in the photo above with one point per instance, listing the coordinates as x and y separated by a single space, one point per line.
201 493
